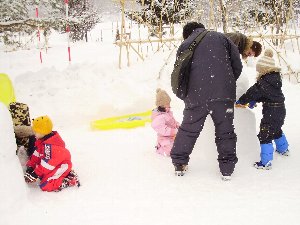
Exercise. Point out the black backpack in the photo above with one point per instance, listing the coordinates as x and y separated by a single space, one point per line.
181 72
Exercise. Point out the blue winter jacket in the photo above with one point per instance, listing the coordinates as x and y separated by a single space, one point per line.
267 89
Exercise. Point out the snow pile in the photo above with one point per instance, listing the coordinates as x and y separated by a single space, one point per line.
13 189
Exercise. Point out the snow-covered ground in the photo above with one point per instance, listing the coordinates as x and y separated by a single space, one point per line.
124 182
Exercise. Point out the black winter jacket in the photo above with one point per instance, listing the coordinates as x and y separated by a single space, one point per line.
267 89
216 65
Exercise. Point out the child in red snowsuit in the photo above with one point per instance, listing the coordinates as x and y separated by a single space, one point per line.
51 161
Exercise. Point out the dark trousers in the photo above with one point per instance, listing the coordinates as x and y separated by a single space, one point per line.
272 122
222 113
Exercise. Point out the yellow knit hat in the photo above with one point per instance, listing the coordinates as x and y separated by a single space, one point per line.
42 125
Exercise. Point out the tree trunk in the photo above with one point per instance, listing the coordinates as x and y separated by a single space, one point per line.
224 15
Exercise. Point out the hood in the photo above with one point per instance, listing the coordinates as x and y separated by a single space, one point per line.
54 139
186 43
273 79
156 113
243 42
268 70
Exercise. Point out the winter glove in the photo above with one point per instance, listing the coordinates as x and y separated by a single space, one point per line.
30 177
252 104
29 169
239 105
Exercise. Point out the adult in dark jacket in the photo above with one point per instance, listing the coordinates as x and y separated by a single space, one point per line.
267 90
247 47
212 90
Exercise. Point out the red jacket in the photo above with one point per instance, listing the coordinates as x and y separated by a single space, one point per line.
50 159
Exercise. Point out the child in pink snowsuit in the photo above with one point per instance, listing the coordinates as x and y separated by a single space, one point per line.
164 123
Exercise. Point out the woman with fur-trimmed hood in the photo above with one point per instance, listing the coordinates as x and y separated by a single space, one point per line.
247 47
267 90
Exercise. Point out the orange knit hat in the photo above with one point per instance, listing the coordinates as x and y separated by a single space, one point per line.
42 125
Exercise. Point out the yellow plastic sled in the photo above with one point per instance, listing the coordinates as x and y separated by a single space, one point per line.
7 93
125 122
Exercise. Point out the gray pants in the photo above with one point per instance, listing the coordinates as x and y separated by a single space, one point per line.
222 113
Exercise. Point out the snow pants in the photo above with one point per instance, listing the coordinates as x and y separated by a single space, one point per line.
222 113
54 179
271 123
164 145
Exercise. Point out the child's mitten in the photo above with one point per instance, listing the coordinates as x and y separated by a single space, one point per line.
30 177
239 105
29 169
252 104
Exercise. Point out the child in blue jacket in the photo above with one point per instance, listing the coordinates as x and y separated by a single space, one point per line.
267 90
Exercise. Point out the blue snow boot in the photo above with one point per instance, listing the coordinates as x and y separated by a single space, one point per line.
260 165
266 155
282 145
